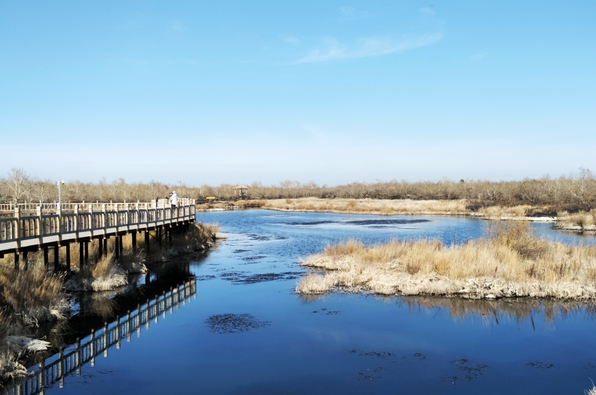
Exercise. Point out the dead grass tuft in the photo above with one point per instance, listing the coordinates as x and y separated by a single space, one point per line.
512 261
22 290
582 219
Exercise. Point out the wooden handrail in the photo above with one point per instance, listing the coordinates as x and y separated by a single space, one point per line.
100 219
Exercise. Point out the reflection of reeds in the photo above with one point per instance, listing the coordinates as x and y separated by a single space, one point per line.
104 307
517 309
512 262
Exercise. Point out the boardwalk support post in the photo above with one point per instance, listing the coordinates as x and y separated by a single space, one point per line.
81 255
68 257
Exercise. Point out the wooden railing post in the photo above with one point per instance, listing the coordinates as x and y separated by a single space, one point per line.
126 207
78 356
59 212
61 367
17 215
92 347
105 339
118 332
42 367
76 222
104 219
116 219
39 230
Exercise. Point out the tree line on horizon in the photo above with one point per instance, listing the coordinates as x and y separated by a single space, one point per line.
576 191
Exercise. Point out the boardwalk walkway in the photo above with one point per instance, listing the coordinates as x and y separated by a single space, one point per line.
96 221
56 369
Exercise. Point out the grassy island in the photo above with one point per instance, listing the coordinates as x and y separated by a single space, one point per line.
510 262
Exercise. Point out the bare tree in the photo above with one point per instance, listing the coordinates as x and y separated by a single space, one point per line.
18 184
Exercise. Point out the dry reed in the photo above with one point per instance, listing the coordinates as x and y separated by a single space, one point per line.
511 262
35 295
582 220
370 206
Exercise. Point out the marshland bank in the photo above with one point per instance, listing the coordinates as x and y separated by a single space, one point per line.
510 262
48 296
576 221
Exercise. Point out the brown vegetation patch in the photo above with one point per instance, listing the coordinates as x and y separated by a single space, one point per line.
511 262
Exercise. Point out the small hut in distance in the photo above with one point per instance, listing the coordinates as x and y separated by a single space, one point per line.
240 192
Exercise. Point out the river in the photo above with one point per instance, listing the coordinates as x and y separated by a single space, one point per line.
245 331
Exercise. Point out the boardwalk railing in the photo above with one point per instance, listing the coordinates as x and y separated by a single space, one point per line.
10 207
47 373
99 219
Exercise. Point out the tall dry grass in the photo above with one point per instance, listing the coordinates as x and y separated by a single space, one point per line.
35 295
584 220
370 206
510 262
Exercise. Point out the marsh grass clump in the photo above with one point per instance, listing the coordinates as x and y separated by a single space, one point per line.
35 295
584 220
511 261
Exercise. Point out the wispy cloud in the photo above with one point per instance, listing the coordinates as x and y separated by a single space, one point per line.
427 11
351 13
334 50
479 56
289 39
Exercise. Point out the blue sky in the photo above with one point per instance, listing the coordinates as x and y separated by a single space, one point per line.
325 91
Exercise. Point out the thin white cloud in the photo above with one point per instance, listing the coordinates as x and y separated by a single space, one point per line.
334 50
289 39
349 11
427 11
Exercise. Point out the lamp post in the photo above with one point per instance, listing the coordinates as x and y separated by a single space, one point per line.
60 183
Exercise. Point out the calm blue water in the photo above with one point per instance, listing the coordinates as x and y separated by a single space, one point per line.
281 343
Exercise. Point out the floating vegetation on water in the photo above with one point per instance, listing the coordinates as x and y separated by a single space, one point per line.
241 278
253 258
234 323
325 312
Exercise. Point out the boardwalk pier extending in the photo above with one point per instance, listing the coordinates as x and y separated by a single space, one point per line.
20 235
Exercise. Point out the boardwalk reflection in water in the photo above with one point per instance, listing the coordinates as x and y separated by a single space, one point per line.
57 367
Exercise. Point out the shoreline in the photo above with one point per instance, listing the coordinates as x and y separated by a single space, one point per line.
388 207
420 213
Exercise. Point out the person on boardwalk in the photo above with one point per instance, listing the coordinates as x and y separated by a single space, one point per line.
168 198
174 199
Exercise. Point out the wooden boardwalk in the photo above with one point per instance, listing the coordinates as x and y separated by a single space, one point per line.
54 369
93 221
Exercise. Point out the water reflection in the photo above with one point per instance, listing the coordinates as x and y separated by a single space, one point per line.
57 367
519 310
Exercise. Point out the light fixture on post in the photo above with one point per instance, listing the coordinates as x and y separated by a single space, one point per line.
60 183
